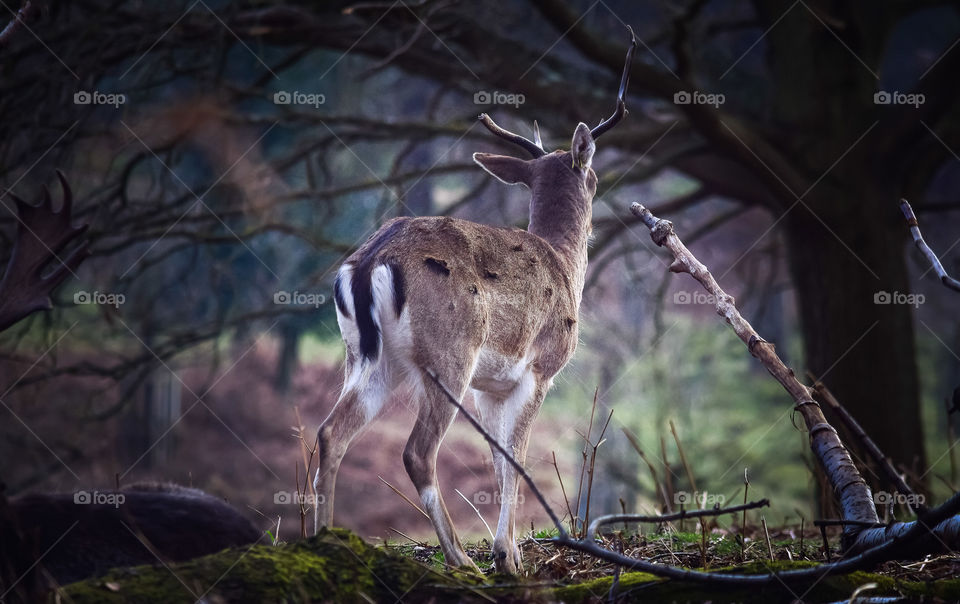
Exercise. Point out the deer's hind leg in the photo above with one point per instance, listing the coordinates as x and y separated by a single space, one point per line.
362 399
420 460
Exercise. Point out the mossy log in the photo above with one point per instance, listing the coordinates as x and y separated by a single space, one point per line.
338 566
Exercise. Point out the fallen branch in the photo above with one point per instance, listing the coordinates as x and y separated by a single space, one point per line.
682 515
918 239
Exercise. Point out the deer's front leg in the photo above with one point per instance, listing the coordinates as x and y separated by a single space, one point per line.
519 411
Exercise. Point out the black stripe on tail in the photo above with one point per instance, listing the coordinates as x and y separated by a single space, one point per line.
362 290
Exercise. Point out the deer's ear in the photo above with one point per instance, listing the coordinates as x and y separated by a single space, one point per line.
505 168
582 147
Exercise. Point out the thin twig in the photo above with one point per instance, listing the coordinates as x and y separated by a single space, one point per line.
946 279
404 497
583 463
593 461
479 515
766 534
667 473
743 521
635 442
407 537
573 527
683 459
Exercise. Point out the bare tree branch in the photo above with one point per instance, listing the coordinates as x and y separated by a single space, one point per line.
947 280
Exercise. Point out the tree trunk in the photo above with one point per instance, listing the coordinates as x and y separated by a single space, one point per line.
861 347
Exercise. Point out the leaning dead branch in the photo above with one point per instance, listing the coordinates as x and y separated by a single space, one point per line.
918 239
851 490
934 529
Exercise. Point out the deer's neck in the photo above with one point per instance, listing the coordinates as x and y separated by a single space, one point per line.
564 222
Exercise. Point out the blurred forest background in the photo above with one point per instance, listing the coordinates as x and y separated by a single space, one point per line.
229 155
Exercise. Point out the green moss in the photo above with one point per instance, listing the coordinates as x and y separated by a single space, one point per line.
336 565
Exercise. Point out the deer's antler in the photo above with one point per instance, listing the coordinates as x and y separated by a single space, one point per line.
42 236
621 109
535 147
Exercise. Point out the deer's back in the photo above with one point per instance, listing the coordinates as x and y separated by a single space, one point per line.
503 289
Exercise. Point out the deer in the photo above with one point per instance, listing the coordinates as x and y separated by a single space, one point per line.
490 309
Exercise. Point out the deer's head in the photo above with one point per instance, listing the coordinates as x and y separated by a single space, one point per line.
568 171
561 182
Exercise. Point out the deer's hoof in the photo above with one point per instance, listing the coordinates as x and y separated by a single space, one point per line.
505 562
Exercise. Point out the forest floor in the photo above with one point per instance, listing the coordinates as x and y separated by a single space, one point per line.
339 566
